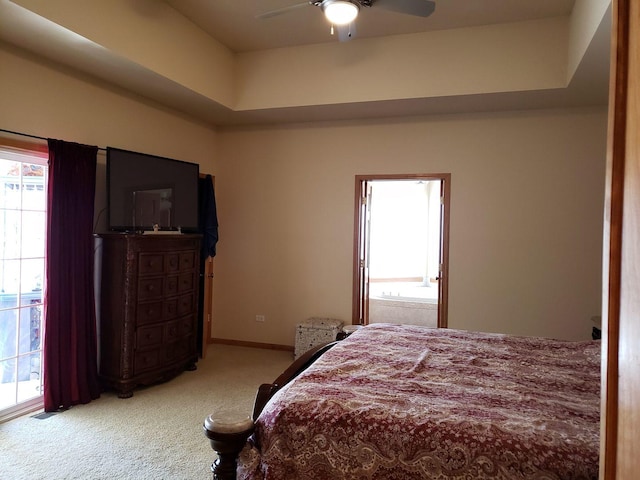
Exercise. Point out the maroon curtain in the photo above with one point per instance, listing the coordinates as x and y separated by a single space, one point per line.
70 347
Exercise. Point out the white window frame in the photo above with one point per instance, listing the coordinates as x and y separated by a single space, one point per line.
35 154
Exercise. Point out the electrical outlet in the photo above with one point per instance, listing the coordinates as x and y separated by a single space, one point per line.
260 318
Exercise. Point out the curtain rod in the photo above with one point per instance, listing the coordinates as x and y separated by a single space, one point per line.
36 136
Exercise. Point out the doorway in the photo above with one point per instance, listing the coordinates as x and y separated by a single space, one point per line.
401 249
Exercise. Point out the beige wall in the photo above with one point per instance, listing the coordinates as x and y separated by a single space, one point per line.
150 34
495 58
526 219
526 201
151 40
39 99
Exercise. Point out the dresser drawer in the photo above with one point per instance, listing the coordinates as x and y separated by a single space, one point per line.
150 312
166 310
149 336
179 350
175 262
185 304
186 282
171 332
171 285
149 288
172 262
150 263
178 329
185 325
170 309
187 260
147 360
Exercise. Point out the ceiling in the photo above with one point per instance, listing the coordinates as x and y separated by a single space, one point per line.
235 24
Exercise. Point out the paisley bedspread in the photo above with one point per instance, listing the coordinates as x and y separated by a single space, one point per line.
406 402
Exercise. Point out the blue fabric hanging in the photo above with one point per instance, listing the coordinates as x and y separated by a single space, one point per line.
208 218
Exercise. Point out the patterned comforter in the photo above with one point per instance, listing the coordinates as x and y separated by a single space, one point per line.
406 402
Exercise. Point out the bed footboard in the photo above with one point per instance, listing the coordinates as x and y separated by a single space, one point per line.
228 436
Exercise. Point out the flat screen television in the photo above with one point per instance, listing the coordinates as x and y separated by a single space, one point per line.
144 191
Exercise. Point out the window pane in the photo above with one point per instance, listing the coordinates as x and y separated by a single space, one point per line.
24 337
10 245
33 187
8 299
29 377
7 383
10 184
33 241
8 332
35 325
9 274
8 370
32 278
30 321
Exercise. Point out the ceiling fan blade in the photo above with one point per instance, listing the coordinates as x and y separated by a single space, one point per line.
280 11
418 8
346 32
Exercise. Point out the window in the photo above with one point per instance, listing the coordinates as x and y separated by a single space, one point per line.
23 200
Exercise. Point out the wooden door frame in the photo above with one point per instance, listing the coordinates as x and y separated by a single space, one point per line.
356 311
620 393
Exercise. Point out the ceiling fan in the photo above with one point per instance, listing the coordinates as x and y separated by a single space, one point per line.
341 14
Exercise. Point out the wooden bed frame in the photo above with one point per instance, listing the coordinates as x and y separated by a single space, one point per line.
229 443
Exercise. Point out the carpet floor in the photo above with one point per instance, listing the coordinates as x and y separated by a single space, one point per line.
156 434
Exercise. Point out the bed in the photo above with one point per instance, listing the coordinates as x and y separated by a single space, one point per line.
407 402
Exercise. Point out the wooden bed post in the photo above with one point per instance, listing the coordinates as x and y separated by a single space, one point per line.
228 437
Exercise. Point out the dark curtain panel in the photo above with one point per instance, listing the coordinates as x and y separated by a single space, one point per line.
70 346
208 218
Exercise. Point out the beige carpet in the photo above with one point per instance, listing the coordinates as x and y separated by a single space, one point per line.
156 434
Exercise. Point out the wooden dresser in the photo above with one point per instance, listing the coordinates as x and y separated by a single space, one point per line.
148 317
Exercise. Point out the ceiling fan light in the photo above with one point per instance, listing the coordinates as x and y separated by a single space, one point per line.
340 12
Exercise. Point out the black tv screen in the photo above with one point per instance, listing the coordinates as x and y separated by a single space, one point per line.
146 190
